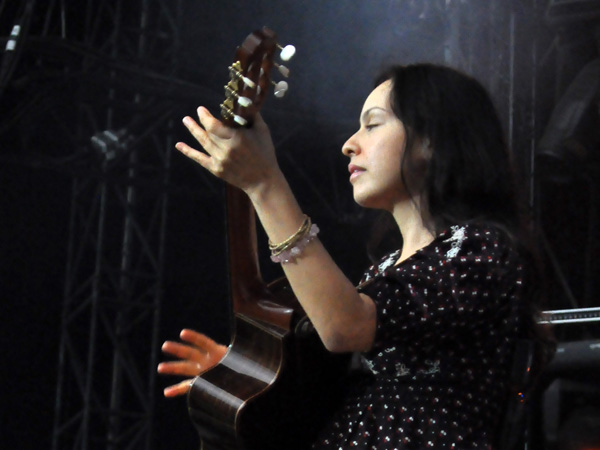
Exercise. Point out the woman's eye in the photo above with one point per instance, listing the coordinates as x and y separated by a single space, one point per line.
371 126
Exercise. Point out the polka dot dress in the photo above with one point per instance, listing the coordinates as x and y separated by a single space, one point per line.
447 320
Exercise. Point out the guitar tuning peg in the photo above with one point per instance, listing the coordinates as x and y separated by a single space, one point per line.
228 114
242 101
280 89
235 72
283 70
248 82
287 52
240 120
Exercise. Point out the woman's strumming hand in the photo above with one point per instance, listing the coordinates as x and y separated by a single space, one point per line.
197 354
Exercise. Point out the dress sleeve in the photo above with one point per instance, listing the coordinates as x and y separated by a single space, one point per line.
460 282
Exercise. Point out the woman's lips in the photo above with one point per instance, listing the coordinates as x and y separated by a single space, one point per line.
355 171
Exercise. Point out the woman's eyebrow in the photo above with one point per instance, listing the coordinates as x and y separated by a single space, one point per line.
369 111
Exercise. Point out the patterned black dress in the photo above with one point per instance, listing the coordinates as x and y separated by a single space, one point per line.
447 321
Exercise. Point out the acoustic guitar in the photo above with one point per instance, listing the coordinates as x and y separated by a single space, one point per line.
277 384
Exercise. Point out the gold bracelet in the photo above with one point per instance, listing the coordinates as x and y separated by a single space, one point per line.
289 242
295 249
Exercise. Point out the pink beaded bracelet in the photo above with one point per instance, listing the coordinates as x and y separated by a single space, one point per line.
291 253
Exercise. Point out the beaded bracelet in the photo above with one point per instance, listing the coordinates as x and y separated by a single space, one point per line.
293 251
289 242
289 249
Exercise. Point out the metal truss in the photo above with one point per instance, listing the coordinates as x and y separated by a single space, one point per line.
113 295
121 174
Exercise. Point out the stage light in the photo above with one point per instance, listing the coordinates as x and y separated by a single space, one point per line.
110 143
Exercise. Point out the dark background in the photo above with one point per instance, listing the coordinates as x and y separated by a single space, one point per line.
137 67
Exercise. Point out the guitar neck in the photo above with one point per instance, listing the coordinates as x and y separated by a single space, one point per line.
241 239
244 95
250 295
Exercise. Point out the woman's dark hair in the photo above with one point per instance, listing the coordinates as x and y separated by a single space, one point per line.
469 174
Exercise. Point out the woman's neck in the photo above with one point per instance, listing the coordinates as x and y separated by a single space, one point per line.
415 233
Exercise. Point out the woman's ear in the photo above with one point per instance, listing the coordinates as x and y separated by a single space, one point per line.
426 149
421 154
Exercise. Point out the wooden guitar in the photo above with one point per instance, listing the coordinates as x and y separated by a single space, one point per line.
274 387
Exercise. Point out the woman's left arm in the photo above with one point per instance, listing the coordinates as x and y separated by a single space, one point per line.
344 319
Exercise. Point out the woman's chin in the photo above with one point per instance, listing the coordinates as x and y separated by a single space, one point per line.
366 201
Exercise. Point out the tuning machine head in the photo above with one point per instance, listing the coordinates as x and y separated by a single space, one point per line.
287 52
280 88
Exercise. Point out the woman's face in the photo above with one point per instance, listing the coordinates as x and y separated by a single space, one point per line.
375 153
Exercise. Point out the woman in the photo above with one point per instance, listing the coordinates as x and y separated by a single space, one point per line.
436 321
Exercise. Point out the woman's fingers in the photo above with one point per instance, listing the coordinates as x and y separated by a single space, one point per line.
242 157
213 126
198 340
212 136
183 351
184 368
195 155
188 334
210 132
198 354
214 350
198 350
177 389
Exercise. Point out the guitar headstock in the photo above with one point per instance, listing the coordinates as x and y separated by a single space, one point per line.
250 77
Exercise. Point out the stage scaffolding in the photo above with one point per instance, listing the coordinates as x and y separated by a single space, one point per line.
112 60
114 285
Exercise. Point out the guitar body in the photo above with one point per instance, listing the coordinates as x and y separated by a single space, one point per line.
272 391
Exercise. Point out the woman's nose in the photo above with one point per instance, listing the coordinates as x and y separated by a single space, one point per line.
351 147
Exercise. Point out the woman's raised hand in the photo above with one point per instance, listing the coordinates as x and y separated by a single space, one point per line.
243 157
198 354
